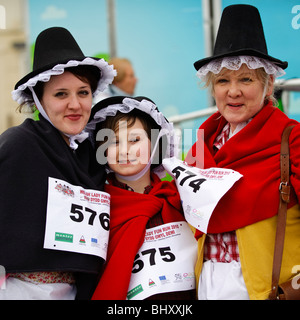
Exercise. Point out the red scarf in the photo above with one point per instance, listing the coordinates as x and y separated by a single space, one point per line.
130 212
254 152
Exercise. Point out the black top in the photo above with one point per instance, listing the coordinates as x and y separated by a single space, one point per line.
29 154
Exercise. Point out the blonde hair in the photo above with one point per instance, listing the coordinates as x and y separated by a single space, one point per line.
119 64
261 74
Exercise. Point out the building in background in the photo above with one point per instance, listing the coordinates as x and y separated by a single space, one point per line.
14 57
162 39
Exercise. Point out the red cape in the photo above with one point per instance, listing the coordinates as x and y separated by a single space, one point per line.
130 212
255 153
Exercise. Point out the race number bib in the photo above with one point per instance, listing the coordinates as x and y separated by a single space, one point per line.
165 261
77 219
200 189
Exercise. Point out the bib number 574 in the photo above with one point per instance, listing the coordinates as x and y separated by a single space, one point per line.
194 183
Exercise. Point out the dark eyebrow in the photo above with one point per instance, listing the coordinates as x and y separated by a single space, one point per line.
65 89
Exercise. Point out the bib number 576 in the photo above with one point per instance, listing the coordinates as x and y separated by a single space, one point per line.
78 214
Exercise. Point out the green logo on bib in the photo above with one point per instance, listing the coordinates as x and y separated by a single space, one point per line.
138 289
64 237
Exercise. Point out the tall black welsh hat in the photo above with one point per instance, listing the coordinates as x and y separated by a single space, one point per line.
240 33
55 50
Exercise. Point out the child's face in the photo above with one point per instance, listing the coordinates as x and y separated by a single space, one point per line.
130 149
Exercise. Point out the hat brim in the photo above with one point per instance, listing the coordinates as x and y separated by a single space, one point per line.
48 67
105 103
103 71
249 52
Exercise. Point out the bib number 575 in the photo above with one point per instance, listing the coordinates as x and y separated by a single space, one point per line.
165 254
78 214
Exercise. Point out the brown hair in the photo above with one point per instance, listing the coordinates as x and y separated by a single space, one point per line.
149 124
120 65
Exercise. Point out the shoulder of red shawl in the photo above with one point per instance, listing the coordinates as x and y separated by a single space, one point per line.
157 183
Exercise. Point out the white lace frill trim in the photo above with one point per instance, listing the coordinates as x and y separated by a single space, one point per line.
107 75
148 107
234 63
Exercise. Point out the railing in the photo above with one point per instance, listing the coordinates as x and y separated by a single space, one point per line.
285 85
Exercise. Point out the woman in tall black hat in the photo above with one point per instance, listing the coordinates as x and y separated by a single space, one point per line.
46 170
236 255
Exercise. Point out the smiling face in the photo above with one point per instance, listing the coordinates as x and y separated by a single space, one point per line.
240 94
129 150
67 100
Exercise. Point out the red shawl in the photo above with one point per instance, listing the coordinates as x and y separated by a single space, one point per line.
130 212
255 153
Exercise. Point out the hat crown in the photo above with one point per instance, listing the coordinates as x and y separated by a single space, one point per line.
240 28
240 33
55 44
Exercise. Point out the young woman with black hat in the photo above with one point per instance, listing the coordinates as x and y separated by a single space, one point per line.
47 177
151 251
236 255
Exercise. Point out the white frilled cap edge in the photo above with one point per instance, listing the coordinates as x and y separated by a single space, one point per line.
149 108
107 75
234 63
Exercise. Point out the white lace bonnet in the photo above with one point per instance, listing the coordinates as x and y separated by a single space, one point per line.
107 75
109 108
235 62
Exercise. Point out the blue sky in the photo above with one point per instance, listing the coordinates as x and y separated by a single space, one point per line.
163 38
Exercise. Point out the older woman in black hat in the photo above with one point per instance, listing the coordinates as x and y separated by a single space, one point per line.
235 257
48 177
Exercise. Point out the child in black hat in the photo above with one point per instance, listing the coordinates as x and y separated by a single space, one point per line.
134 137
36 159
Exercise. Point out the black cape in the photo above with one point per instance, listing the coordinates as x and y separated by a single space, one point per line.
29 154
